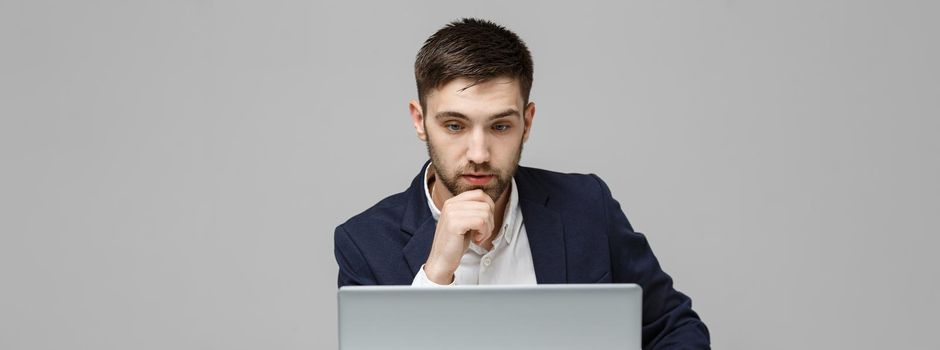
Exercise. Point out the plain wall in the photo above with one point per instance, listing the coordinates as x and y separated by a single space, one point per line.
171 171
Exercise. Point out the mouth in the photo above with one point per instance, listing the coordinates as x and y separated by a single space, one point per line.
478 179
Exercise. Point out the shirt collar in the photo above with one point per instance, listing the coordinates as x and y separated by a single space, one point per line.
508 216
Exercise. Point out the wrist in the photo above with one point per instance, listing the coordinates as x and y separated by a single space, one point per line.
437 276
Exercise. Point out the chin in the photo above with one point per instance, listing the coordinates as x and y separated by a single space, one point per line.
471 188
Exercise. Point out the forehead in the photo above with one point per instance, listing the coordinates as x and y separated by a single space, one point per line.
481 99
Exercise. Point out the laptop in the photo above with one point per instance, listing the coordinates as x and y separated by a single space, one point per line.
545 317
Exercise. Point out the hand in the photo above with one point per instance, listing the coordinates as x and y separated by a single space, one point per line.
466 216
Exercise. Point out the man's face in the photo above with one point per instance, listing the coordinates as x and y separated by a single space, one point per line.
474 135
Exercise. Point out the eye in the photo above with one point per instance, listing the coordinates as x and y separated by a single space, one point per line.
501 127
454 127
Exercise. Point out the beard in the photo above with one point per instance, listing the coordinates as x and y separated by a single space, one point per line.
495 188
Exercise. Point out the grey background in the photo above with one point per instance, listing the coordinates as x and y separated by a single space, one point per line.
172 171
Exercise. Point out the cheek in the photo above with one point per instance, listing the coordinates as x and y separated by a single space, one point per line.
448 152
506 152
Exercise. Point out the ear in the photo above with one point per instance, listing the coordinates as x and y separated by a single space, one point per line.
417 117
527 117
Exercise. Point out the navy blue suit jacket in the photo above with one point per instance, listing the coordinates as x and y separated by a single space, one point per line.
577 233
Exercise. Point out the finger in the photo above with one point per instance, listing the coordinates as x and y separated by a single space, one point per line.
487 232
479 237
481 224
461 223
467 209
488 200
480 195
473 236
477 196
476 225
484 219
471 206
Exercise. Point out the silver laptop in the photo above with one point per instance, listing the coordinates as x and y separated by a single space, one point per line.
545 317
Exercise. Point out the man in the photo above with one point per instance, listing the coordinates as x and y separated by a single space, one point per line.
473 216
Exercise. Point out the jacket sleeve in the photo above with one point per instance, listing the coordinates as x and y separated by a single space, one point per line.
668 319
353 268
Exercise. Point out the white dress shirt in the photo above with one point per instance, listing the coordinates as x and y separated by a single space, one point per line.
510 260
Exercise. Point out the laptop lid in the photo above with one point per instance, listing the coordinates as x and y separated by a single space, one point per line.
561 316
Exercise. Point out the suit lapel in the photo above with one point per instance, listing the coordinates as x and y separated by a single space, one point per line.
547 242
419 247
419 223
544 229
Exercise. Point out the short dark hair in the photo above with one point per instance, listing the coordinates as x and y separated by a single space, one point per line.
475 49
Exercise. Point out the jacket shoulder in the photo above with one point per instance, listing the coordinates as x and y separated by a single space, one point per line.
565 185
386 213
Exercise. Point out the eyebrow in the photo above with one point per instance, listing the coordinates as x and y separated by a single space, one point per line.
458 115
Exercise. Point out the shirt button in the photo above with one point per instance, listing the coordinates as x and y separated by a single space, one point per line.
487 261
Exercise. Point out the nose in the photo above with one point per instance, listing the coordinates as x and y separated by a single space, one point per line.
478 150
